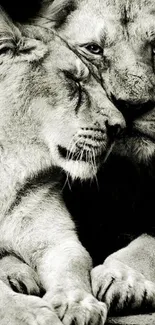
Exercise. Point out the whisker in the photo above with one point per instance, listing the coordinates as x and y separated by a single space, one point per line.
84 147
72 150
96 179
94 167
108 152
67 182
91 160
87 158
71 146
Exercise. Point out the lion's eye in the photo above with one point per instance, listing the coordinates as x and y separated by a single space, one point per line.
94 49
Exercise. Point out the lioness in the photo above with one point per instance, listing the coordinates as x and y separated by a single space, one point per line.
54 116
118 38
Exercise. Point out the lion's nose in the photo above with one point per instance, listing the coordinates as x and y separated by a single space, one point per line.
115 128
131 110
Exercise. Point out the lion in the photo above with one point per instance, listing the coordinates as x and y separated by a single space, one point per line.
115 39
55 120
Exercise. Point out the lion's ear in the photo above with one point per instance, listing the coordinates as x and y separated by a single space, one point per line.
54 13
9 33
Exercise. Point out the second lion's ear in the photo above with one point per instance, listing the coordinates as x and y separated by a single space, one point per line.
54 13
9 33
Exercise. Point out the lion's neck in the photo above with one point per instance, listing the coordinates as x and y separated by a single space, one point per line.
16 167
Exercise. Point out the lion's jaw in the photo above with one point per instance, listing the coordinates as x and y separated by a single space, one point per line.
80 162
78 149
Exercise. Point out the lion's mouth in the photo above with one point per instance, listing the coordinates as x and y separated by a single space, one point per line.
93 154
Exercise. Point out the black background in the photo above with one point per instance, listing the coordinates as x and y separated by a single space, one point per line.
120 208
21 10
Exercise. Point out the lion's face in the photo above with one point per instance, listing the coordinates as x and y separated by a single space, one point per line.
119 38
50 101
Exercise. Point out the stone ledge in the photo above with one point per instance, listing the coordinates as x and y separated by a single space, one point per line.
148 319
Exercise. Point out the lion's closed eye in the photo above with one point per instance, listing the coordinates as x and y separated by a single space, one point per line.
7 45
75 89
71 77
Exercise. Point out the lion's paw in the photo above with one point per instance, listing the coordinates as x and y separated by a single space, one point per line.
19 276
122 288
20 309
78 308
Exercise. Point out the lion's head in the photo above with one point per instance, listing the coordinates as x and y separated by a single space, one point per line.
118 37
51 105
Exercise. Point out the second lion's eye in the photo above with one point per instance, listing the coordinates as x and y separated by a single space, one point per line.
94 49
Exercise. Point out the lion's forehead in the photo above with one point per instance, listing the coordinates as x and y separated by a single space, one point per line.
123 11
128 11
107 21
121 8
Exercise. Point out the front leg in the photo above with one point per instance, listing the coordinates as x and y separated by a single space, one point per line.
65 274
126 280
49 243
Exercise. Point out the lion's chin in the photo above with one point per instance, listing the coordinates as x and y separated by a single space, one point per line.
83 165
79 169
75 168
